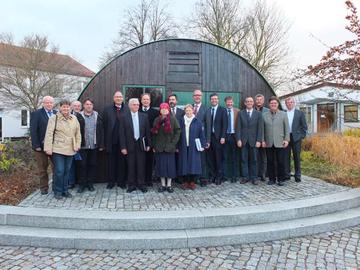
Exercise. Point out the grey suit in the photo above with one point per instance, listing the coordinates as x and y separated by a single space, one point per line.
249 130
276 130
261 153
297 133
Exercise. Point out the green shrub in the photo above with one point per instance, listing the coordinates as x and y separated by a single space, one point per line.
353 132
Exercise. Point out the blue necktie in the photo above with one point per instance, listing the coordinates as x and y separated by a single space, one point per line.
49 113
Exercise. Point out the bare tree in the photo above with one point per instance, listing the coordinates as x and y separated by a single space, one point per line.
31 71
259 34
148 21
220 22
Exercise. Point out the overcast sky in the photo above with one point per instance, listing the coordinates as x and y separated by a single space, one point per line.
84 28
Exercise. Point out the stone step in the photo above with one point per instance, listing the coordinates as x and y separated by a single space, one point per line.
186 238
178 220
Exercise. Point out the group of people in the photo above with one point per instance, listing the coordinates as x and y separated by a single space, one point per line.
193 145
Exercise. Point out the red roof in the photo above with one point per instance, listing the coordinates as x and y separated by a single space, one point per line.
20 57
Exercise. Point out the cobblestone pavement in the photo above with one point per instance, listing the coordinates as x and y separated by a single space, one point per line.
333 250
225 195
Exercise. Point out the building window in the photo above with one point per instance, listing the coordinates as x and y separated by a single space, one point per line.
306 109
156 93
351 113
24 118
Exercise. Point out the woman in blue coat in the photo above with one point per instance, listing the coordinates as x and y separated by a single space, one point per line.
192 142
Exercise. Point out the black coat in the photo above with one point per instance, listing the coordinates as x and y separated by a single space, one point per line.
220 123
299 126
249 131
127 140
151 115
38 124
107 125
179 114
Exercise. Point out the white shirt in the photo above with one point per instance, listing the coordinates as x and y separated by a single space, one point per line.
232 128
145 108
135 121
249 111
197 106
290 115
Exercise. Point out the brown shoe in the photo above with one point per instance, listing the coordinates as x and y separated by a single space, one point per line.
192 185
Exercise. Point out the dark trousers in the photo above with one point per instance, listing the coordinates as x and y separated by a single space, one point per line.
74 176
62 165
276 163
88 164
232 154
215 158
249 162
149 166
136 163
261 162
295 148
42 162
117 170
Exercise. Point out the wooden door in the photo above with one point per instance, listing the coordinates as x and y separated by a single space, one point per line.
325 117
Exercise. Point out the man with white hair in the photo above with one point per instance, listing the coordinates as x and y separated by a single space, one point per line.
38 124
135 142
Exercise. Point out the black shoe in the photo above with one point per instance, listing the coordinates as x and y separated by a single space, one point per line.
271 182
203 182
71 186
122 186
287 178
281 183
297 179
254 182
244 181
170 189
130 189
162 189
80 189
110 186
91 187
143 189
44 192
262 178
217 181
67 195
149 184
58 197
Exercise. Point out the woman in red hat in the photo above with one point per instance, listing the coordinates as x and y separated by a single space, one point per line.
166 134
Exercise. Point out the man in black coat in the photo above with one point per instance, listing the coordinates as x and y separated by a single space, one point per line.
38 124
110 141
151 115
135 142
249 135
298 130
216 126
200 114
175 111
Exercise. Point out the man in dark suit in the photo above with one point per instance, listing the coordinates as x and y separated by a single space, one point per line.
232 153
298 130
261 153
151 115
249 135
38 124
175 111
216 126
134 142
200 114
110 141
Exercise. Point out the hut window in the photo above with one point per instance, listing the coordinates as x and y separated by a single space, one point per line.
351 113
135 91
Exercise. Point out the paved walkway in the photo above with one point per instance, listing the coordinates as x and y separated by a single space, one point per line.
333 250
225 195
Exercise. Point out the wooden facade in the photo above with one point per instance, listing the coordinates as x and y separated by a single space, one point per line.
175 66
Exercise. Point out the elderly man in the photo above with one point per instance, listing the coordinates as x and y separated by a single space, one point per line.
298 130
135 142
110 141
276 139
38 124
